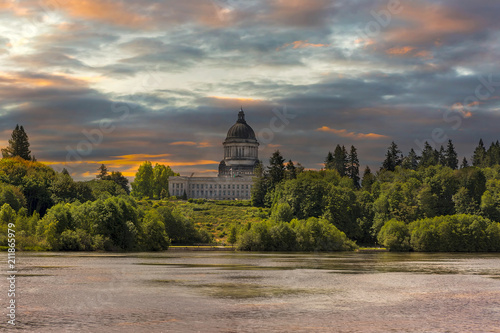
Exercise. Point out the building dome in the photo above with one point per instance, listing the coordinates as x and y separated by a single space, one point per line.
241 130
241 150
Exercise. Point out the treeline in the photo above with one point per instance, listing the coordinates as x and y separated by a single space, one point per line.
453 233
405 189
116 223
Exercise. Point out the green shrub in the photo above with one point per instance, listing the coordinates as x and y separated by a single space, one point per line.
395 236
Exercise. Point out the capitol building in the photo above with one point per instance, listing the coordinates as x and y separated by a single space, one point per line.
236 170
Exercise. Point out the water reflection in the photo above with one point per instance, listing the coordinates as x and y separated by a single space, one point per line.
254 292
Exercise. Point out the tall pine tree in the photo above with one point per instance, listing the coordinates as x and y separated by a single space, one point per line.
411 161
465 163
329 162
340 160
353 166
479 156
451 157
392 157
430 156
276 168
18 145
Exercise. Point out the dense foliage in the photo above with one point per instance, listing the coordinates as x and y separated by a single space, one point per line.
382 206
312 234
452 233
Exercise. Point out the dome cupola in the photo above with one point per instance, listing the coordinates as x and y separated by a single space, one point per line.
241 130
241 150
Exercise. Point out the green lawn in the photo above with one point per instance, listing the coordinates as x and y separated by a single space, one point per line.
218 217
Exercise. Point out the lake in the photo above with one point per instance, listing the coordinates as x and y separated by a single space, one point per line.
256 292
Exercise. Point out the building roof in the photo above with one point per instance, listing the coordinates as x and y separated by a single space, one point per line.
241 130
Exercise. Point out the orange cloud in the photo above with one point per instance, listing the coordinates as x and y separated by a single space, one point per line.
203 144
44 80
109 11
400 50
409 51
352 135
183 143
300 44
459 107
430 23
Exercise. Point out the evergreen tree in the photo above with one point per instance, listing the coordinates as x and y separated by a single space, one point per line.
464 164
329 161
103 172
276 168
18 145
291 172
411 161
442 156
479 157
451 156
340 160
493 154
368 179
65 172
392 157
430 156
353 166
260 186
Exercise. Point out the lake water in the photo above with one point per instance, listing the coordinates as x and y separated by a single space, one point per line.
256 292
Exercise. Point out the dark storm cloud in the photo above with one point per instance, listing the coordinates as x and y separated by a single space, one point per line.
343 87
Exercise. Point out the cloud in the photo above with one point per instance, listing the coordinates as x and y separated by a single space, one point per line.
352 135
184 143
429 23
300 44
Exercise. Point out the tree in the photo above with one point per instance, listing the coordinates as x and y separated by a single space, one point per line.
493 154
411 161
442 156
232 236
260 185
291 172
156 238
340 160
161 174
103 172
144 181
451 157
329 162
353 167
479 156
276 168
465 163
18 145
392 158
119 179
430 156
368 179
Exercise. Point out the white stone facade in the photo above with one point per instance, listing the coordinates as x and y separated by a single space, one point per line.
215 188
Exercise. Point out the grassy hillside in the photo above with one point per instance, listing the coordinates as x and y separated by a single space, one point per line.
218 217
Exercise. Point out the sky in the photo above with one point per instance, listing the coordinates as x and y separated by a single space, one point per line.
120 82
